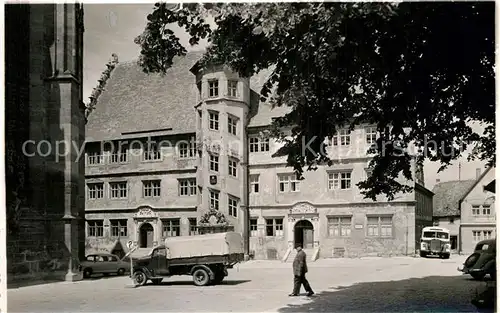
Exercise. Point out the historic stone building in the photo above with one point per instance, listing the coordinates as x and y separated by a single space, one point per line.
188 153
44 130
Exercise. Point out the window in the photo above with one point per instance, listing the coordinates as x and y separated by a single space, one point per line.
476 234
232 122
118 190
233 206
257 144
94 158
339 226
288 183
232 166
214 199
213 120
371 135
193 228
187 187
343 138
339 180
151 152
254 183
95 228
151 188
95 191
487 234
213 88
118 228
119 155
214 163
253 227
481 209
274 227
379 226
187 150
171 227
232 87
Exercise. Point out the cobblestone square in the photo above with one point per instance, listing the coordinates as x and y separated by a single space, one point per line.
400 284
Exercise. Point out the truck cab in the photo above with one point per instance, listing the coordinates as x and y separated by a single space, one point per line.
435 241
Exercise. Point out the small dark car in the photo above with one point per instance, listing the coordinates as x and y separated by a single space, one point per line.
483 261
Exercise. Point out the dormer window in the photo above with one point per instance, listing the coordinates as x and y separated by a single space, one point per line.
213 88
232 87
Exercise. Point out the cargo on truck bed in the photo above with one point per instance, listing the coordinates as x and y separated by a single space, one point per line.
205 257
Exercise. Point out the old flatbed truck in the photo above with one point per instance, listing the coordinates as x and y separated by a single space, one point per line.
205 257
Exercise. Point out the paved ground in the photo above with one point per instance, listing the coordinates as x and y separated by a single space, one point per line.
342 285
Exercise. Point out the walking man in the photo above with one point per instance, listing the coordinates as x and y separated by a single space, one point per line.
299 272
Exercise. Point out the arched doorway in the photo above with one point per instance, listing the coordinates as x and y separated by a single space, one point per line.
304 234
146 233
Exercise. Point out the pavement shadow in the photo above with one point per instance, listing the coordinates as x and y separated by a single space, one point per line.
190 283
427 294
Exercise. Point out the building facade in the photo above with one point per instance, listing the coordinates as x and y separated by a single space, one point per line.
477 213
44 117
446 206
193 150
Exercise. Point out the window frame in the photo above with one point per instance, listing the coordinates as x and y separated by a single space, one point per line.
213 88
335 179
96 191
337 222
118 190
154 189
276 232
380 226
213 120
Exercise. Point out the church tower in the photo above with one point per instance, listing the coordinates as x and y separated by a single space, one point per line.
45 126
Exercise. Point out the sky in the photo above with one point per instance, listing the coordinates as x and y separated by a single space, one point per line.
111 28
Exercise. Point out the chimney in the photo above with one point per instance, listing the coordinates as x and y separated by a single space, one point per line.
438 180
478 173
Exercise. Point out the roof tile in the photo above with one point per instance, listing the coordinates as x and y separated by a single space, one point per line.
447 195
136 101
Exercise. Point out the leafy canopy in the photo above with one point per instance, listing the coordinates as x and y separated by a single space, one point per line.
420 72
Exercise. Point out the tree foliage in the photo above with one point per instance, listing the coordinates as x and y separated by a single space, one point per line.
420 72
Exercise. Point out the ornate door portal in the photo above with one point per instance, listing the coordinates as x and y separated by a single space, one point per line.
303 226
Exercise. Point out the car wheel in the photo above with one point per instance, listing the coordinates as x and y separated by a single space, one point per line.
120 272
477 276
201 277
87 273
471 260
140 278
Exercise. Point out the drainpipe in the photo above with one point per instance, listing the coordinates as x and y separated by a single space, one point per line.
246 184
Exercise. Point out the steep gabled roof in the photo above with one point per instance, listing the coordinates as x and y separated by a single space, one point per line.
447 196
134 101
475 183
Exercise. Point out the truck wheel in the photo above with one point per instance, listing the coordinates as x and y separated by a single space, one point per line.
140 278
445 256
201 277
423 254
